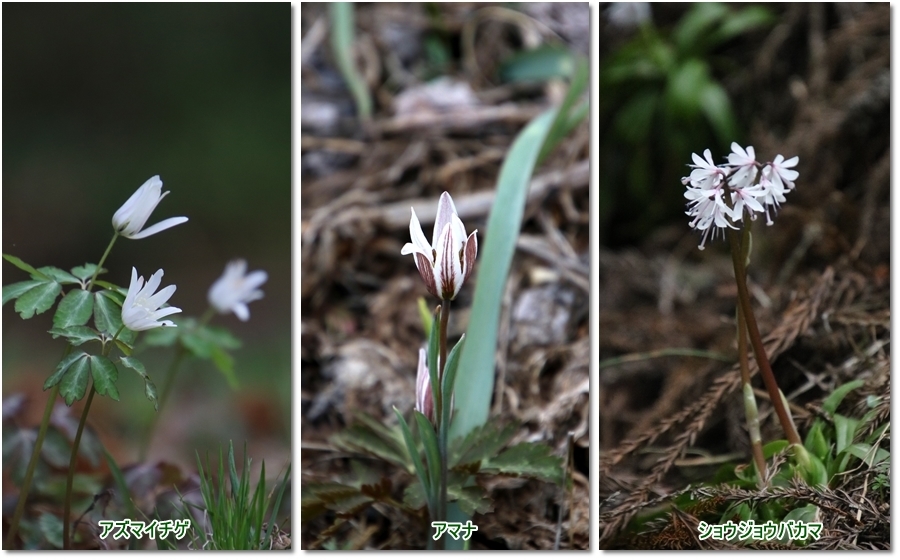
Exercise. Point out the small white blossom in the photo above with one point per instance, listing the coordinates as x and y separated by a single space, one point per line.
447 262
719 195
744 163
143 309
782 175
234 289
131 217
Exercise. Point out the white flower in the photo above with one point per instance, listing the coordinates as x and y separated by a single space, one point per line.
710 215
744 162
424 398
233 290
131 217
706 175
447 262
782 175
141 310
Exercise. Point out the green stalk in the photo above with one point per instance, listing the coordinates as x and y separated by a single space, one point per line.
32 463
442 429
103 260
67 504
750 409
765 369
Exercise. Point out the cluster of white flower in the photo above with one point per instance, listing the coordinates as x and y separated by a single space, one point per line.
718 195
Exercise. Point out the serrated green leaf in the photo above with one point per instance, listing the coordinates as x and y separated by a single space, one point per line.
117 293
22 265
361 439
482 442
831 404
61 368
107 314
85 272
414 495
527 460
105 375
74 383
76 335
12 291
57 274
74 309
197 345
470 499
38 299
163 337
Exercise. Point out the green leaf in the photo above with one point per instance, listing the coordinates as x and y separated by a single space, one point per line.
115 291
417 461
74 309
470 499
449 381
57 274
38 299
527 460
51 529
85 272
815 441
869 454
62 368
12 291
74 382
76 335
692 31
740 22
22 265
831 404
773 447
481 443
359 438
716 106
149 387
424 316
107 313
225 364
220 337
104 374
475 380
538 65
432 452
844 428
341 35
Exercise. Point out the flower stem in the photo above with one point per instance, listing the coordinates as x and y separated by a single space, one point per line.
32 464
751 411
103 260
67 505
442 430
765 369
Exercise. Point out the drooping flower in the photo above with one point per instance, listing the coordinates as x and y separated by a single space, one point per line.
143 309
131 217
447 262
424 398
235 289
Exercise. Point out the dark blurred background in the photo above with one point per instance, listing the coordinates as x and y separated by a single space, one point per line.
97 98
